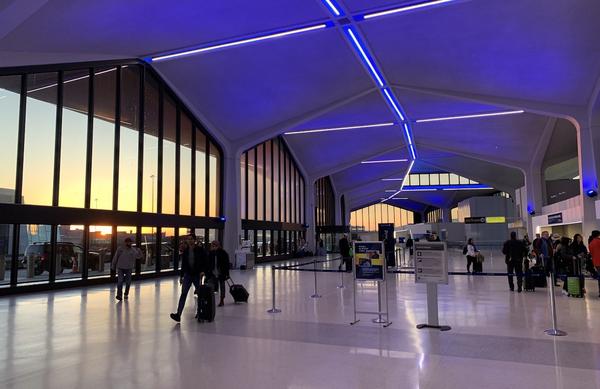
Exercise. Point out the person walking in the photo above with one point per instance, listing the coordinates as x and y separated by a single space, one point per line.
219 259
594 247
471 253
514 251
345 253
192 258
123 263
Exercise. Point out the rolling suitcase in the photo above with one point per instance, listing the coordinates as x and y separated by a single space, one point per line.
206 304
538 276
530 281
575 280
238 292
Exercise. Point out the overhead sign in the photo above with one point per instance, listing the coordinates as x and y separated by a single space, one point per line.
555 218
431 263
369 261
485 219
474 220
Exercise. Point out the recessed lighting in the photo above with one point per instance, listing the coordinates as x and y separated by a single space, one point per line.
406 8
238 43
340 128
386 161
479 115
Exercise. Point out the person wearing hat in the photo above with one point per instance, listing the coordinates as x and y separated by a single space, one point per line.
124 262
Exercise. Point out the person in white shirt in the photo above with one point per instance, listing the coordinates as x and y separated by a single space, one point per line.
471 254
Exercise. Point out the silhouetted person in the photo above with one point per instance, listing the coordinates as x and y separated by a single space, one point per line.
219 259
345 253
514 251
192 258
124 262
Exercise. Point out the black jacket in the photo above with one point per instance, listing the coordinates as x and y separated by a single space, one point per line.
221 258
344 247
195 268
514 250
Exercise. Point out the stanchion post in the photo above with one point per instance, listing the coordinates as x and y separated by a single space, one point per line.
379 318
273 308
554 331
316 294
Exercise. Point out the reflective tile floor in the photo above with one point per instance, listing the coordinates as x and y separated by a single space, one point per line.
83 338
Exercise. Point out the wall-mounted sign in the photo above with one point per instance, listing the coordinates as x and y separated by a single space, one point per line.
555 218
431 263
474 220
369 261
485 219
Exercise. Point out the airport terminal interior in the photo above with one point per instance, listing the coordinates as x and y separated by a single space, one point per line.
300 194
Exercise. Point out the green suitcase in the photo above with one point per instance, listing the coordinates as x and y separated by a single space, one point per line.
575 286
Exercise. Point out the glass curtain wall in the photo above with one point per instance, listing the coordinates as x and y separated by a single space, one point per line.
272 200
368 218
324 202
93 155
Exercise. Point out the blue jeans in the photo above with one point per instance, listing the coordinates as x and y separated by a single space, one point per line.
123 274
188 280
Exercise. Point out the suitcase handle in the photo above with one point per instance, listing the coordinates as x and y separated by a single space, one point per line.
229 281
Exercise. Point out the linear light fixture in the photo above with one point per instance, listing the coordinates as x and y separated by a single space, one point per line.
239 43
474 188
479 115
395 198
403 181
386 161
333 7
71 80
391 179
365 57
391 191
391 100
340 128
406 8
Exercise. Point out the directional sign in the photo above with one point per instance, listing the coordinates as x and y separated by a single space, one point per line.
431 263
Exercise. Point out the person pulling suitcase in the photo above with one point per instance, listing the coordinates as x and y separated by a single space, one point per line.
192 258
219 260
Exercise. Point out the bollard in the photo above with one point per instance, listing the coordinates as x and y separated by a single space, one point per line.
316 294
273 309
553 331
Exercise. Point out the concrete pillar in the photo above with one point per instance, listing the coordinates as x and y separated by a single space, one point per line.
587 138
533 193
310 213
231 204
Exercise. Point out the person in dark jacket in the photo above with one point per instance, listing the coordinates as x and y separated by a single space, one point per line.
345 253
219 260
514 251
192 259
544 251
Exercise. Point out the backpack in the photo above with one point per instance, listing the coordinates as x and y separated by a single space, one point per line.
465 250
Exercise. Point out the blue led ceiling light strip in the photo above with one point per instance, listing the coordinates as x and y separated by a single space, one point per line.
333 7
404 8
403 182
377 76
259 38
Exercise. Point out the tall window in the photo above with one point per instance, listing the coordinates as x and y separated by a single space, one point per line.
40 131
368 218
10 87
324 202
272 193
74 138
113 138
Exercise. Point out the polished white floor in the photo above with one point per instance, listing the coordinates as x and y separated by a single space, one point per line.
83 338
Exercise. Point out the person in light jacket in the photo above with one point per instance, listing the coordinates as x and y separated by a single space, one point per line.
471 255
124 262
